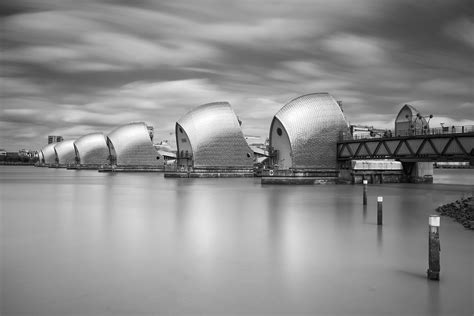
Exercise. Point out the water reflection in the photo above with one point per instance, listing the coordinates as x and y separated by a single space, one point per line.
433 298
379 238
142 243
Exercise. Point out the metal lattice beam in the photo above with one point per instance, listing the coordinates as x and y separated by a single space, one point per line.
452 147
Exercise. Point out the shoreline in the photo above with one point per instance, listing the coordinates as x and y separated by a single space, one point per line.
461 210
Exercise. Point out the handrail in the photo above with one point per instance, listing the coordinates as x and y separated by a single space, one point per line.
446 130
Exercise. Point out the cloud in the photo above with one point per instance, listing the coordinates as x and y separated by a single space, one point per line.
449 121
358 50
297 70
79 66
72 41
18 86
448 86
264 34
111 52
461 29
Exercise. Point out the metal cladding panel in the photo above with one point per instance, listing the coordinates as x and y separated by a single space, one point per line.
92 149
49 153
65 152
133 146
216 137
313 123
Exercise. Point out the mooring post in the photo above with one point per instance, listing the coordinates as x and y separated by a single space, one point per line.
379 210
364 196
434 248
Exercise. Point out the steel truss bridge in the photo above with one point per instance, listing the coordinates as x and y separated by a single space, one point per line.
415 148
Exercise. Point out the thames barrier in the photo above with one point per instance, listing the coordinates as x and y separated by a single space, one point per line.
310 141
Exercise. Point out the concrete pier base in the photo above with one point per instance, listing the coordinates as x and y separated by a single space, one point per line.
131 169
60 166
210 173
299 176
374 171
418 172
297 180
84 167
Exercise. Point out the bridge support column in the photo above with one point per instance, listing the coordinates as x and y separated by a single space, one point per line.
418 172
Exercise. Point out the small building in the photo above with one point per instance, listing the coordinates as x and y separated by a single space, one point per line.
130 147
91 151
168 156
210 142
65 153
409 121
164 146
364 132
55 139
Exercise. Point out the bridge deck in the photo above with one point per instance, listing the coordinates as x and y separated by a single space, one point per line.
441 147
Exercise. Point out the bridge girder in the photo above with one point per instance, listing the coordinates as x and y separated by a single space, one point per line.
420 148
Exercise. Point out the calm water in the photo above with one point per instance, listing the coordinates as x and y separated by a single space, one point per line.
89 243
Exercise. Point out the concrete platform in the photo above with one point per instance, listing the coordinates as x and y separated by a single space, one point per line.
84 167
298 180
131 169
59 166
299 176
209 175
209 172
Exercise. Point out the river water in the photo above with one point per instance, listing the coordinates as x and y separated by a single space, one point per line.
89 243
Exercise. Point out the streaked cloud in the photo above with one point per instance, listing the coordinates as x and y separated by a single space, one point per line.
462 29
358 50
72 67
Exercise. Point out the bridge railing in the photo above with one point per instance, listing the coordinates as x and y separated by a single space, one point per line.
413 132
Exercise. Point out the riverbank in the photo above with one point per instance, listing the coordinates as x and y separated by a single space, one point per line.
17 163
461 210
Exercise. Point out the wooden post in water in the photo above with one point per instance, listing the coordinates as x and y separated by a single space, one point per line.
364 196
434 248
379 210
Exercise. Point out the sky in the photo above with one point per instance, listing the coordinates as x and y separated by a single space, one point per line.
72 67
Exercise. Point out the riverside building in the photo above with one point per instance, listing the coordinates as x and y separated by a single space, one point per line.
55 139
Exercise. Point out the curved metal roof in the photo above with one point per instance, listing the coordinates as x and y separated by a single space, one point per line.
91 149
410 110
65 152
49 154
132 146
215 136
409 121
313 123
